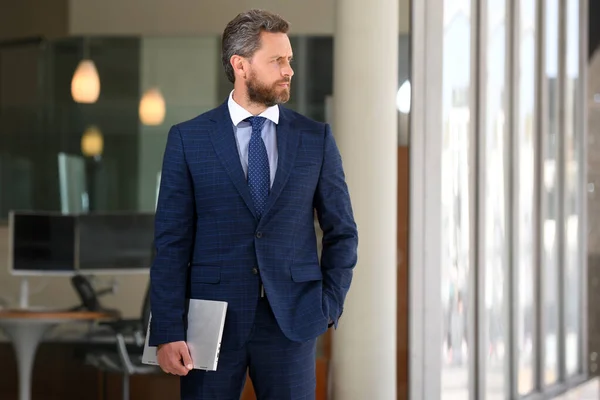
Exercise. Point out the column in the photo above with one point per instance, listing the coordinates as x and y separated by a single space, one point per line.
365 128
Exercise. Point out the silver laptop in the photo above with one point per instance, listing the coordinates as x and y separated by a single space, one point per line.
206 320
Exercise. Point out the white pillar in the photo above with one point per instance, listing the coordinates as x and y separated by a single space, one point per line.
366 130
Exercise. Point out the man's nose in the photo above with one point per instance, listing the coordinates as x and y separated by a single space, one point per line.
288 71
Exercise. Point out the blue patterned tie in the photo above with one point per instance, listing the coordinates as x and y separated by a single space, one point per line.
259 174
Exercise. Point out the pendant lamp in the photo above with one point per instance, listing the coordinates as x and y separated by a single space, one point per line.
92 142
85 85
152 107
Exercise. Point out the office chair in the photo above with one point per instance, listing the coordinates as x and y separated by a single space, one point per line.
120 357
90 297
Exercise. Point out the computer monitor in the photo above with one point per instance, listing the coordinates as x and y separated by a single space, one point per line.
48 243
115 243
41 243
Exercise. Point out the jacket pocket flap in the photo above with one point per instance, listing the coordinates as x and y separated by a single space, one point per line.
306 273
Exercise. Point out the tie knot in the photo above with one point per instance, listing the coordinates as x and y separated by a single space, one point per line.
256 122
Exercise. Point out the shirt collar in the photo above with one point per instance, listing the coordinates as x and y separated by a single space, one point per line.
239 113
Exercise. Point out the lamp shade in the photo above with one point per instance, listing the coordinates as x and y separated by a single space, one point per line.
152 107
85 85
92 142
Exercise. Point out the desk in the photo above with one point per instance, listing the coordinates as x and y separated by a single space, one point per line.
25 330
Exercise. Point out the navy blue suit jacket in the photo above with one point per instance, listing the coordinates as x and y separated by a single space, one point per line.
211 245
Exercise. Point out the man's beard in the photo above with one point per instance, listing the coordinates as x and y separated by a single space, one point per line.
260 93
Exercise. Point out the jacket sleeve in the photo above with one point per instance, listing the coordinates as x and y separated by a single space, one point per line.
174 239
340 235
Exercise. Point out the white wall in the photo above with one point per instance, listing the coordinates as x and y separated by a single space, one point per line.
186 71
192 17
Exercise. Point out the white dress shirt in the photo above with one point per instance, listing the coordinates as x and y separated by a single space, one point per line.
243 131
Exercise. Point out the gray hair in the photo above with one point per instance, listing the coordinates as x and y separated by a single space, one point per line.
242 35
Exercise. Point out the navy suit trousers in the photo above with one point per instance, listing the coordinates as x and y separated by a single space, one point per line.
280 369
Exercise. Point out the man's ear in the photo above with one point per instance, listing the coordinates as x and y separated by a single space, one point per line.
239 65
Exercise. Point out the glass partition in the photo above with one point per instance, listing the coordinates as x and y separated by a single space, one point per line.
498 140
109 102
456 212
525 197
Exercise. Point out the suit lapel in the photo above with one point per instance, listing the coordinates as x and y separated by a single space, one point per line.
223 140
287 148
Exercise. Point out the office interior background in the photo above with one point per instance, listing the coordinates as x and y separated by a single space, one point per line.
469 132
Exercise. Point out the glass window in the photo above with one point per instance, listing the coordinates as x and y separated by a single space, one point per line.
512 187
495 153
21 138
456 208
60 154
550 193
525 181
573 192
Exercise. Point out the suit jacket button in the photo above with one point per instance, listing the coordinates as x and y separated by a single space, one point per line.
255 271
258 235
